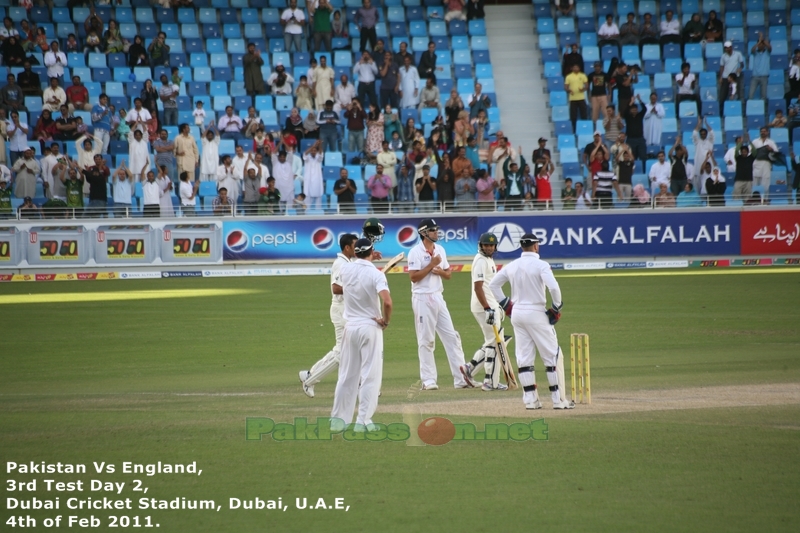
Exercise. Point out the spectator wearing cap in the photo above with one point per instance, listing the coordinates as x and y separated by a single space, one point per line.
670 31
598 81
28 209
576 83
573 57
542 152
608 34
731 62
629 31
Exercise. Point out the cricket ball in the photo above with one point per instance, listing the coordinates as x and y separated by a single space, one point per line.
436 431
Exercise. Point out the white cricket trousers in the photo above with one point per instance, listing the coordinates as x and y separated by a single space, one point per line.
328 364
361 361
533 332
431 317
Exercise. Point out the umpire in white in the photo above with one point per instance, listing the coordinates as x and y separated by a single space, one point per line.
533 322
361 365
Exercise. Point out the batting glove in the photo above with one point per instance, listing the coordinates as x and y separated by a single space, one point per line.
507 305
489 314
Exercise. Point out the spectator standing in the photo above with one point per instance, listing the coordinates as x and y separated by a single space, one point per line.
570 59
322 84
409 85
375 136
544 190
55 60
576 83
186 152
366 18
761 54
762 148
345 189
293 20
599 90
227 177
168 94
703 141
26 168
654 114
687 83
660 172
613 125
602 184
425 187
328 121
17 133
253 77
188 194
390 82
629 31
731 62
715 187
210 159
313 187
634 121
465 189
123 190
743 178
321 19
138 154
625 166
97 178
101 122
355 126
681 169
223 205
164 154
475 9
379 185
427 63
367 72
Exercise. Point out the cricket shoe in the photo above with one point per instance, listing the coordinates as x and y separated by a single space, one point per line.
432 386
487 387
466 371
536 404
564 404
307 389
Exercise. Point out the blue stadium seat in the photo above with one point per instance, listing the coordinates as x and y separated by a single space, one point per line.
732 109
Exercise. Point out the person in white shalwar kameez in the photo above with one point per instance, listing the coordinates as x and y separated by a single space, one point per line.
209 160
313 187
227 177
138 151
653 118
282 171
409 84
165 184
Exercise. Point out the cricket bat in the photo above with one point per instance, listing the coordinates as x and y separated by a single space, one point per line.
505 363
393 262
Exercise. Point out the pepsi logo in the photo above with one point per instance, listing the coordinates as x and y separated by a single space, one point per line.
236 241
322 238
407 236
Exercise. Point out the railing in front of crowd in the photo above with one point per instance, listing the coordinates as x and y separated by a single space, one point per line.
378 208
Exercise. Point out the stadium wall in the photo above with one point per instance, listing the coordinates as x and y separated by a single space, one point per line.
643 235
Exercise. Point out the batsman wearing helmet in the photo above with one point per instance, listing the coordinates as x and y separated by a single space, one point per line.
374 231
427 267
487 312
533 322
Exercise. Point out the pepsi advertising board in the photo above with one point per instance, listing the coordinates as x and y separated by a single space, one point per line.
635 234
287 238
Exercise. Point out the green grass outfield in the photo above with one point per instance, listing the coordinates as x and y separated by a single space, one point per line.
87 376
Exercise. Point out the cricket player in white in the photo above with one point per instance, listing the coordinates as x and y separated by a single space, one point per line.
533 322
487 312
374 231
427 266
361 366
328 364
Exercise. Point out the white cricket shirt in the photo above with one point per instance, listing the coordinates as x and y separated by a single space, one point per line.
361 283
336 278
528 276
483 269
418 259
